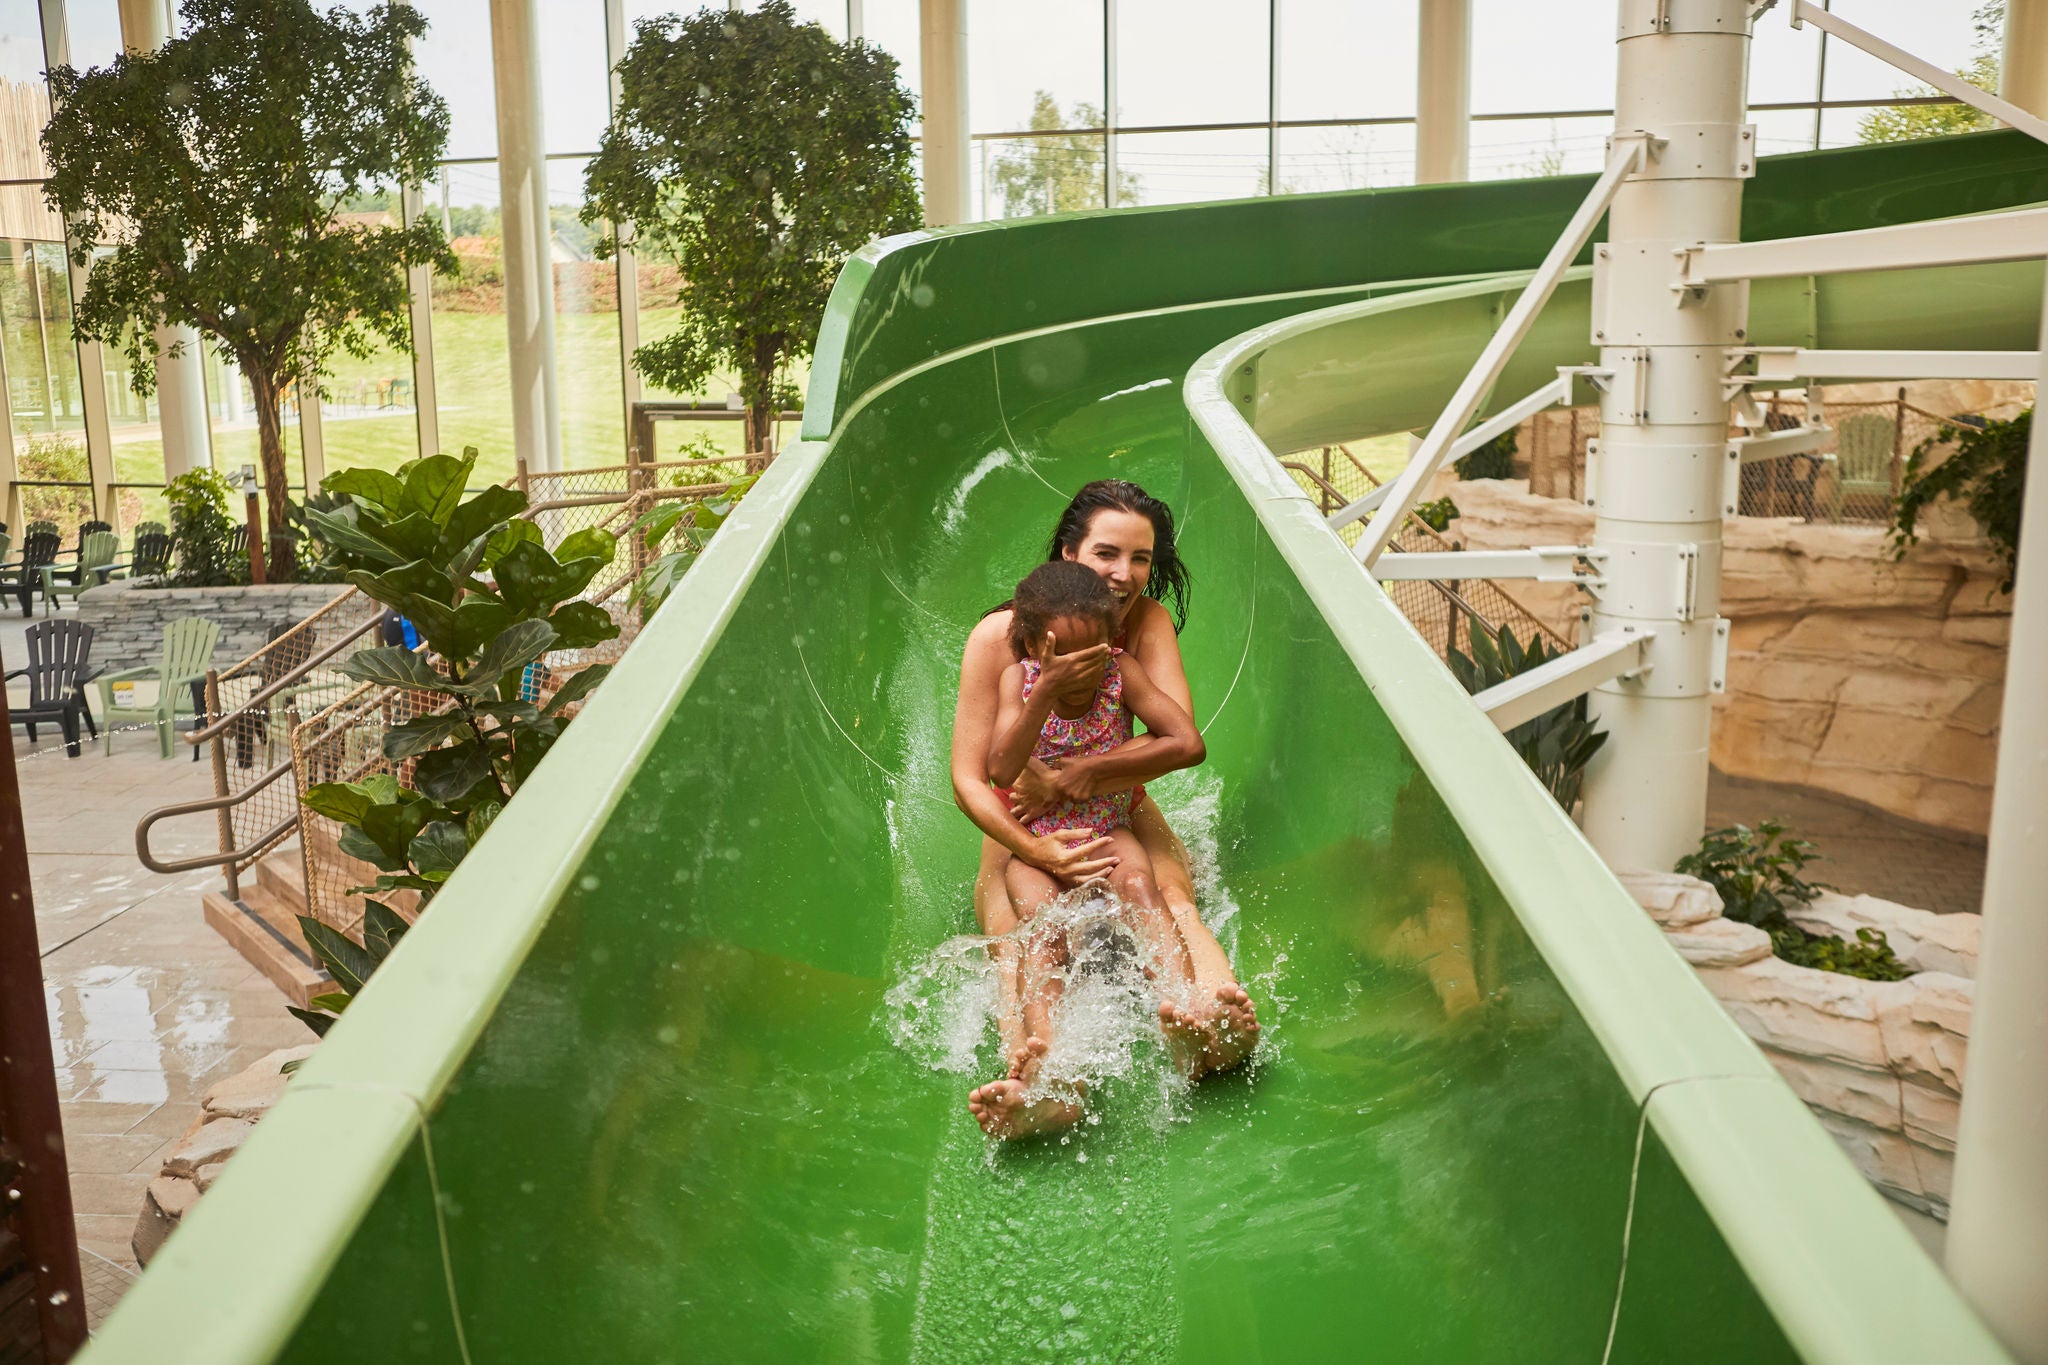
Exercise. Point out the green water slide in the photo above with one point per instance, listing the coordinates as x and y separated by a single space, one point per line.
635 1091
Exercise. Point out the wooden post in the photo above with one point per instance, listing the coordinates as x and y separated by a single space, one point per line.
34 1182
255 519
225 817
1898 442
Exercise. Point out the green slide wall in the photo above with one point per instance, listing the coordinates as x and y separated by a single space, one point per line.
631 1091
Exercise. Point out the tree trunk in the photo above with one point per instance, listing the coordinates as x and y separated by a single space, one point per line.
276 480
758 387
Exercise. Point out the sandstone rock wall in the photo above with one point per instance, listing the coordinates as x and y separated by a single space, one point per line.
1878 681
1879 1062
128 619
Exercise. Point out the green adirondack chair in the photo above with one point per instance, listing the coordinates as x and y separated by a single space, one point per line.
188 647
1863 459
96 554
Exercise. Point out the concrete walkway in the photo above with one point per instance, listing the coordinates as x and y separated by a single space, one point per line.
1863 851
148 1006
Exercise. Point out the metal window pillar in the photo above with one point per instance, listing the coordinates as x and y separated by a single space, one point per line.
1998 1219
419 283
1109 114
523 203
948 148
1443 91
1682 72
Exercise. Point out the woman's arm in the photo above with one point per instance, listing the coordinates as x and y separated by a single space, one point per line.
1071 855
1019 723
1176 744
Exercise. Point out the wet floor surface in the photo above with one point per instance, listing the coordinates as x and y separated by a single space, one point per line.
148 1006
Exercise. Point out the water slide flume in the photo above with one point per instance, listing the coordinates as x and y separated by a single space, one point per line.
629 1092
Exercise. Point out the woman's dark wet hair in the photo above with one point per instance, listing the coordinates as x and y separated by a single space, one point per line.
1169 583
1055 589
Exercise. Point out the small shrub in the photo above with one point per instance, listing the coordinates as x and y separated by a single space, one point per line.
1494 460
201 532
1556 745
1437 515
1760 875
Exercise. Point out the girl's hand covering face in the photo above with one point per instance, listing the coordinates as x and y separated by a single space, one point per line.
1065 673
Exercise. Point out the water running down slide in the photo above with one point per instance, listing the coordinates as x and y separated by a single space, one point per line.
632 1091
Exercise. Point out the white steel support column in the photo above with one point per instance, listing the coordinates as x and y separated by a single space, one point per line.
1443 91
419 288
523 201
942 32
1681 79
180 378
2023 66
1998 1219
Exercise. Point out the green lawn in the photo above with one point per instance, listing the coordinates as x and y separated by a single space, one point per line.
473 377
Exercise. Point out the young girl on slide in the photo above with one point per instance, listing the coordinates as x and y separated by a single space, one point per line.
1065 609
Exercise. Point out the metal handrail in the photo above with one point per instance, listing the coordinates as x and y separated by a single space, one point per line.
212 803
269 690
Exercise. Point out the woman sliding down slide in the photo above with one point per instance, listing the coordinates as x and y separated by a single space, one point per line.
1125 538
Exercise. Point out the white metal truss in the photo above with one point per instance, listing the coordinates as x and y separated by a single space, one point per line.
2017 236
1628 151
1528 695
1557 391
1804 12
1787 364
1544 563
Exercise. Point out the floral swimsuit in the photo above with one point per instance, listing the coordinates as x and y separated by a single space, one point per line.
1106 725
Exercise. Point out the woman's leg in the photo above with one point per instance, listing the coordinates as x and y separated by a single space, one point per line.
998 919
1005 1108
1233 1020
1134 883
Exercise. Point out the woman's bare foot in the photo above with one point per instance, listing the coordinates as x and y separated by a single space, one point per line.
1232 1030
1004 1108
1186 1039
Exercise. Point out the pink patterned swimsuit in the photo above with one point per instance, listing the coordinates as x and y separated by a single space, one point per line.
1106 725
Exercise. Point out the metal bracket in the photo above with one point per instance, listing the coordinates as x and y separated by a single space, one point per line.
1717 677
1615 654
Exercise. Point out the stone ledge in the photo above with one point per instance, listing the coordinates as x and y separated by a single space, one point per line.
128 618
1880 1063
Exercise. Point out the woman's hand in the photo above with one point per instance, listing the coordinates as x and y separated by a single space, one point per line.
1074 857
1040 788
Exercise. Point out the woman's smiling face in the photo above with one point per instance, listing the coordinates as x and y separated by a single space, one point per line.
1118 546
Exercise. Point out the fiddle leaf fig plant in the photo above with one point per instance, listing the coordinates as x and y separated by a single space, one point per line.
488 599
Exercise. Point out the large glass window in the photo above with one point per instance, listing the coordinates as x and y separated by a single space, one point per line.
1183 168
1529 59
1510 149
472 353
587 375
1352 157
455 58
1018 80
1347 59
1192 61
1941 34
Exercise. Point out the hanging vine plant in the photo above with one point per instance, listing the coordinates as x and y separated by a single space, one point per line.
1987 474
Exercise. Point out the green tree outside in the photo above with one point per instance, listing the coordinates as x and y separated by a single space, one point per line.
1939 120
1058 172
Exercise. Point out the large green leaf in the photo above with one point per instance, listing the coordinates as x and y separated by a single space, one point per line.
532 581
417 535
351 541
373 486
415 578
588 543
434 486
392 827
503 539
382 928
579 625
395 666
438 849
514 647
335 1002
480 820
343 801
579 684
446 775
420 734
319 1023
345 959
480 515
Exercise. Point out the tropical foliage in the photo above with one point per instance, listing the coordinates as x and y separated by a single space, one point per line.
489 599
1987 473
1760 874
1556 745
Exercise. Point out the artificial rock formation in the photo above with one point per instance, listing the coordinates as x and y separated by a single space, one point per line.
1879 1062
1874 680
227 1115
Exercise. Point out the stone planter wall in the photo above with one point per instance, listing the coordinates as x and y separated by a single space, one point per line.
128 618
1877 681
1879 1062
